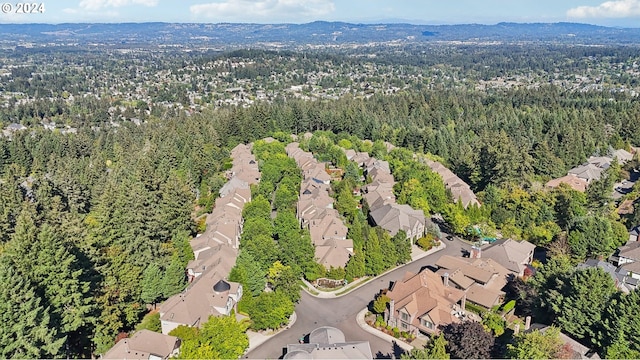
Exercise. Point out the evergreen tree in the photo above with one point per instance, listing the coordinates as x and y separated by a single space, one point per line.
580 305
25 329
373 257
403 247
151 284
435 349
174 279
388 249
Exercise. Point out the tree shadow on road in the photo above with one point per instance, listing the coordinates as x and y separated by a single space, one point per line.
395 353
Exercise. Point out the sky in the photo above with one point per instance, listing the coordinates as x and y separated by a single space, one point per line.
621 13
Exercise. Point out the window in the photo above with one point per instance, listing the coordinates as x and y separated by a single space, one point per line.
404 325
426 323
404 316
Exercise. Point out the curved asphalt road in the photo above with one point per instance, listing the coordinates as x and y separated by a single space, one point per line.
313 312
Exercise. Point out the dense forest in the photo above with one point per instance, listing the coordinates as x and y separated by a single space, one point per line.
88 217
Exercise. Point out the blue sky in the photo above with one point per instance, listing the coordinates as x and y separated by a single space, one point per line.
625 13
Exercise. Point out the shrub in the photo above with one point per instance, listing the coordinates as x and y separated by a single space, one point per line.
509 306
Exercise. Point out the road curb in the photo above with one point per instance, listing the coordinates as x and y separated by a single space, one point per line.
362 323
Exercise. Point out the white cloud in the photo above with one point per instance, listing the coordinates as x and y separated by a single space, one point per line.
264 10
609 9
93 5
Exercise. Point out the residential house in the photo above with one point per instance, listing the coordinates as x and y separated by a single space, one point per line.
516 256
327 227
421 303
373 163
220 258
603 162
329 343
587 172
460 191
318 174
381 175
395 217
333 252
350 154
628 253
623 156
209 295
481 279
233 184
572 180
144 345
360 158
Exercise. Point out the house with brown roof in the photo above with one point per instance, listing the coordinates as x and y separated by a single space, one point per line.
209 295
421 303
572 180
220 258
360 158
513 255
395 217
381 175
233 184
144 345
317 173
373 163
327 227
481 279
588 172
333 252
628 253
460 191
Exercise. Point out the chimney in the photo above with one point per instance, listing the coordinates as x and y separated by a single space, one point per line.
392 311
527 323
476 252
516 329
445 279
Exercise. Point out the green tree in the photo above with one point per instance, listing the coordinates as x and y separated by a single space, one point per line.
270 310
373 257
617 330
25 330
151 284
436 348
580 304
403 247
494 323
536 345
282 278
247 272
258 207
174 279
150 321
221 337
380 304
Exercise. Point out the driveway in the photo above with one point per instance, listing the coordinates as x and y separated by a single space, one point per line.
313 312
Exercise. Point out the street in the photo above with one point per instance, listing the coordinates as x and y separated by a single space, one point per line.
313 312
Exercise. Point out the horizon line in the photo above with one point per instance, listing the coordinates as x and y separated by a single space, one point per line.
373 22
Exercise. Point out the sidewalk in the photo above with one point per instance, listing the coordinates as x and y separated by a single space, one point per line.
416 254
360 320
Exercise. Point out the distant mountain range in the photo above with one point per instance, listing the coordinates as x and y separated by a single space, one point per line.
315 33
